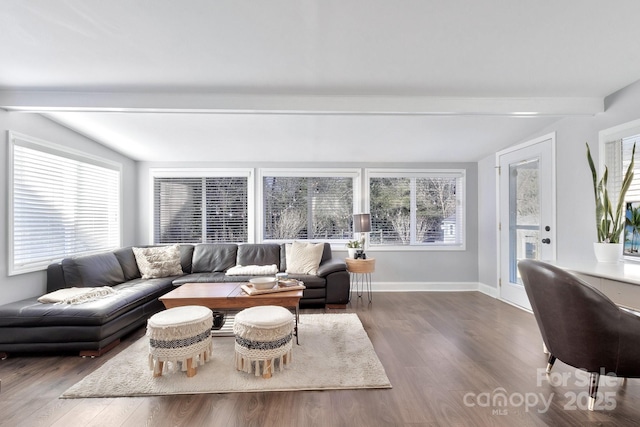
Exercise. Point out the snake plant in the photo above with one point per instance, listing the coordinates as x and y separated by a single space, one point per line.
608 224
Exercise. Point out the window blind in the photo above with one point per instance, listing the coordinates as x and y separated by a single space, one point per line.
306 207
61 205
416 208
200 209
390 207
178 210
617 156
227 212
633 194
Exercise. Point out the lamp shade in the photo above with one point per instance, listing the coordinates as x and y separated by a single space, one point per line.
361 223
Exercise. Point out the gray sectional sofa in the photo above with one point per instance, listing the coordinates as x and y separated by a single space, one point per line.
94 327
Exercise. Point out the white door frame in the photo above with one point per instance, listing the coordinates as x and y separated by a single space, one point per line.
554 249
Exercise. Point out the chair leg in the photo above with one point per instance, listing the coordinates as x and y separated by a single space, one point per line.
594 378
550 362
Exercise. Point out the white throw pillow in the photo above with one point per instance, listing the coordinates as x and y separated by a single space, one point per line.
304 258
163 261
75 295
252 270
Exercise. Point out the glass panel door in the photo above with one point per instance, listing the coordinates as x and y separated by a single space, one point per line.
524 214
527 212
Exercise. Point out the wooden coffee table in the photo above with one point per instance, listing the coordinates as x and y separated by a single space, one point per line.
230 296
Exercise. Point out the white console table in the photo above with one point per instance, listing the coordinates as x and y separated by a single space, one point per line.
619 281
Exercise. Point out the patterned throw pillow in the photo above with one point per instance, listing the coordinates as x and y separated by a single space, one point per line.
163 261
304 258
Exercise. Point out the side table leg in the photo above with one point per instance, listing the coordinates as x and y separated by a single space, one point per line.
360 282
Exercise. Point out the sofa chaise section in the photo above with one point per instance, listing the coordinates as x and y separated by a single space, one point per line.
94 327
91 327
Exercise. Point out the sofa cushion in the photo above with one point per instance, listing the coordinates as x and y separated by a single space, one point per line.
71 273
155 262
326 254
216 277
186 258
214 257
99 270
304 258
258 254
127 261
128 295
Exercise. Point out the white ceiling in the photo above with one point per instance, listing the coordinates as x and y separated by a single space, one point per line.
302 80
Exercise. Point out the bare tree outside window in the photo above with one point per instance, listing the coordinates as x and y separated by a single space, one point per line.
436 202
528 202
307 207
414 210
390 208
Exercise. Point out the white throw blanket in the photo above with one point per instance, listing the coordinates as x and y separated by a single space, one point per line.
252 270
76 295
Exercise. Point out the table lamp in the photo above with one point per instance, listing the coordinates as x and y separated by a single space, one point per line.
362 225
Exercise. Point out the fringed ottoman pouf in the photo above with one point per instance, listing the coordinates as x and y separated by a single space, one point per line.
263 338
180 334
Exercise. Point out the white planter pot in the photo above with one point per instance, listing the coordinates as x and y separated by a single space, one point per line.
608 252
352 252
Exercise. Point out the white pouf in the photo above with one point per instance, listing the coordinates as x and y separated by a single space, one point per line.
180 334
264 337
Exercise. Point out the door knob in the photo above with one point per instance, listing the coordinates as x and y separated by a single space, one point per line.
546 241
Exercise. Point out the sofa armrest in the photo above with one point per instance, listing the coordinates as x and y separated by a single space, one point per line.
331 266
338 288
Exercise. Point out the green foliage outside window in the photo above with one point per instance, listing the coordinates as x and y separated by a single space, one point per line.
407 211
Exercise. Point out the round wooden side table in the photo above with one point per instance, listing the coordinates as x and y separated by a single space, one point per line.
360 270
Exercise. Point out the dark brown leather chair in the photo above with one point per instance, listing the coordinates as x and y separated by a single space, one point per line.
580 326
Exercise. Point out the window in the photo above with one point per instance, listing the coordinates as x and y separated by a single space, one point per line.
617 157
416 208
201 206
310 204
62 203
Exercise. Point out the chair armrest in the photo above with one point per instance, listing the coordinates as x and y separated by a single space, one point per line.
629 310
331 266
629 344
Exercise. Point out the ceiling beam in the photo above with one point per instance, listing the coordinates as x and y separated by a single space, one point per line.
216 103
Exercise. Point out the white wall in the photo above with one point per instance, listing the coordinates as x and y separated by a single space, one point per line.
14 288
395 270
575 217
487 234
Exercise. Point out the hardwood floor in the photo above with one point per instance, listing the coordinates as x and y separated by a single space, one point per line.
449 357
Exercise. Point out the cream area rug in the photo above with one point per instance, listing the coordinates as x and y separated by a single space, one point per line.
334 353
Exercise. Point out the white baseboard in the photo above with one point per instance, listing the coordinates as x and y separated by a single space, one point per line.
488 290
433 287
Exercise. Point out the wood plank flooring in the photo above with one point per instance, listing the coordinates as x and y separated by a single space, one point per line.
449 357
